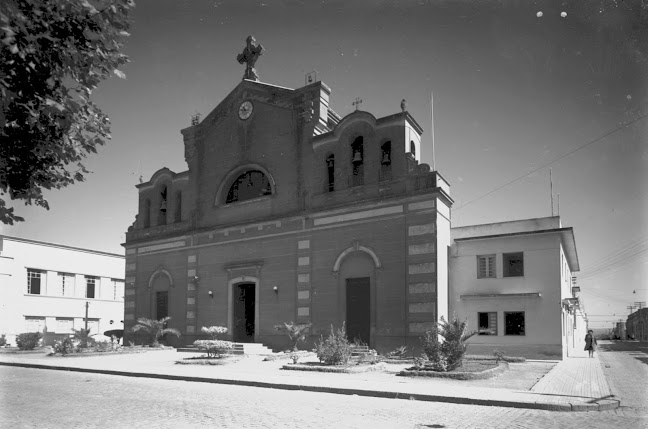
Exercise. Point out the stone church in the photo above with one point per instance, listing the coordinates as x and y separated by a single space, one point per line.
289 212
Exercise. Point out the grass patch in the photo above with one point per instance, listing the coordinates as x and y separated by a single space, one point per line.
469 370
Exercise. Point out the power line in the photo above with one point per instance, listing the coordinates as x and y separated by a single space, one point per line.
555 160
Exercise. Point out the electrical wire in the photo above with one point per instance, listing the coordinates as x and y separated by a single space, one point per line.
609 133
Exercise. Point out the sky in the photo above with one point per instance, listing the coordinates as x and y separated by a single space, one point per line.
515 94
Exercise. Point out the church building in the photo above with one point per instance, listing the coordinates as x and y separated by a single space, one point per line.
289 212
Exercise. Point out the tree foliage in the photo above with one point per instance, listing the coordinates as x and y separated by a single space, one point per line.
295 331
53 54
448 354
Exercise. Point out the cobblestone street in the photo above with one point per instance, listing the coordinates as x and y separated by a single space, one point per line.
38 398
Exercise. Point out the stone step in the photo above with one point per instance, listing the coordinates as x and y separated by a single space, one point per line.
237 349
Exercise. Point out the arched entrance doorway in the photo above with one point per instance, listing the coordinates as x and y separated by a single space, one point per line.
243 312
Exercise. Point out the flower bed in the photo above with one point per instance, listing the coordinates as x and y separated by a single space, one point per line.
475 370
204 360
343 369
288 355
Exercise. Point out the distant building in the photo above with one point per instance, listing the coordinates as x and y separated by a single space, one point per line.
513 282
637 325
45 287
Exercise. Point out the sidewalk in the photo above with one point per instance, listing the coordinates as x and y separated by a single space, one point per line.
576 384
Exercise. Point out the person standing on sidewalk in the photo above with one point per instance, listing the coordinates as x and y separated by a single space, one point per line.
590 342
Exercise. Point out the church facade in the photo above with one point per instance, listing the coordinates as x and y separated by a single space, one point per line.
289 212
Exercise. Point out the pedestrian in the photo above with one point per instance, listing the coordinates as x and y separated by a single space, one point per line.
590 342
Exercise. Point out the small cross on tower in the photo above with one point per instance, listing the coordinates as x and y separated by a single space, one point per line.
249 56
357 102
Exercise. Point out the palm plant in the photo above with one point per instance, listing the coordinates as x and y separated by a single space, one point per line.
296 332
82 336
448 354
154 329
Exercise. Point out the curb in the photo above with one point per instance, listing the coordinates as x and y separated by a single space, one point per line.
564 407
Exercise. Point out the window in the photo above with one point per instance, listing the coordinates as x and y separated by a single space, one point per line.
413 148
117 290
91 286
487 323
34 279
486 266
385 161
178 207
514 323
357 156
330 168
34 324
64 325
249 185
162 213
513 264
65 284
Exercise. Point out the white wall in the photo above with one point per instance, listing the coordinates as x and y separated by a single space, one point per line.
17 255
543 321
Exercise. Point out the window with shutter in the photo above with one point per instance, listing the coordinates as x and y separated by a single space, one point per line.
486 266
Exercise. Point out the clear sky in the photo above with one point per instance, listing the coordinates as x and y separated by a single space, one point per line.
512 93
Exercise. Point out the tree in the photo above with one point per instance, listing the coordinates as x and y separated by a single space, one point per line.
155 329
447 355
296 332
53 54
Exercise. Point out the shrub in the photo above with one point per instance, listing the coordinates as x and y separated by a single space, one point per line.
335 349
28 340
82 338
214 348
214 331
398 353
64 346
3 340
102 346
296 332
154 329
447 355
499 355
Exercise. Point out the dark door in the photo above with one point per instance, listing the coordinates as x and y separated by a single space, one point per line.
358 309
161 305
243 313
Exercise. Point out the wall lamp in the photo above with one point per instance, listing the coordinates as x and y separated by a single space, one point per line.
211 294
276 289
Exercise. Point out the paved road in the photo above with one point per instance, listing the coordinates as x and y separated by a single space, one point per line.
37 398
625 365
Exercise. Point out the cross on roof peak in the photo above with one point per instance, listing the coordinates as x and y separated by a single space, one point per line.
357 102
249 56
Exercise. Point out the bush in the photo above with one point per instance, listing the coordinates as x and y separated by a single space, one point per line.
82 338
335 349
214 348
296 332
154 329
102 346
214 331
398 353
64 346
28 340
448 355
3 340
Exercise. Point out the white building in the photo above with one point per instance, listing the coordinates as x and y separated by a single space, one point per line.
512 281
45 287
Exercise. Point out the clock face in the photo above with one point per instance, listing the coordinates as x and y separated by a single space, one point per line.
245 110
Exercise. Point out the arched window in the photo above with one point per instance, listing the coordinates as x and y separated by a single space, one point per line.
385 161
357 157
147 213
249 185
178 207
330 168
162 212
413 148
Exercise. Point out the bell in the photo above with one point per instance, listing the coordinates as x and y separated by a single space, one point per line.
163 205
386 160
357 157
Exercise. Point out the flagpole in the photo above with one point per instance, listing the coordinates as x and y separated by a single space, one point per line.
432 121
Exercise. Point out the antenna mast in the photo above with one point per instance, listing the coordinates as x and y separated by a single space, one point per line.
551 191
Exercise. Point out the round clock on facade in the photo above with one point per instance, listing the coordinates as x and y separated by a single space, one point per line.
245 110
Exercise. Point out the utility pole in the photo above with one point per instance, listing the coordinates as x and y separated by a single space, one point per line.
86 318
640 304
